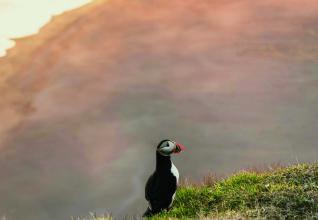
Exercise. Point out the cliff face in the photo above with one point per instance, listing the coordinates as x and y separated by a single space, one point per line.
84 102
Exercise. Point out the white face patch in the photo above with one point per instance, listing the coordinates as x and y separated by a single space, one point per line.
166 148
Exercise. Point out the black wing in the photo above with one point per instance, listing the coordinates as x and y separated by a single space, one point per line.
159 192
149 187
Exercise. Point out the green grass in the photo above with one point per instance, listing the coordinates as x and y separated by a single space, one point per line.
286 193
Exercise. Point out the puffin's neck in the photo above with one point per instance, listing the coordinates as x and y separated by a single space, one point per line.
163 163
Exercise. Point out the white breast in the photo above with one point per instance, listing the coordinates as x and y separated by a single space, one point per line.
175 171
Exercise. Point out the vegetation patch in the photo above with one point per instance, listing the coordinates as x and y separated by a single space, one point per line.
286 193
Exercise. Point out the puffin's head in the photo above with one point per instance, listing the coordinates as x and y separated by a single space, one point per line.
167 147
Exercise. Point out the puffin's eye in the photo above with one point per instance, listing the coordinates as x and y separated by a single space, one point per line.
168 144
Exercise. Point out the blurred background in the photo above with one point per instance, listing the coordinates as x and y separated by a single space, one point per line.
84 102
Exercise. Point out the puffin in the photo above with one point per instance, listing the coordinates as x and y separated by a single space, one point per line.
162 184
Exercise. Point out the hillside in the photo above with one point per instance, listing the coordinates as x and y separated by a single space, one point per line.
286 193
85 101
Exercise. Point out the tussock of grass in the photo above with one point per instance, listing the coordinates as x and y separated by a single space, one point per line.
287 193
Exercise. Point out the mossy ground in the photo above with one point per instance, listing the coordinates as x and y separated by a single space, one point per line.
285 193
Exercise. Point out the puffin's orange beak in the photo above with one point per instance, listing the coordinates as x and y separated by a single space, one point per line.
179 148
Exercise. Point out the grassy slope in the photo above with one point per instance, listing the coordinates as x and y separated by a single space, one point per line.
286 193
